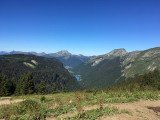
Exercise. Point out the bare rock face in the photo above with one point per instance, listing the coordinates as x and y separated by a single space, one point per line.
131 56
97 61
61 53
151 53
111 55
117 52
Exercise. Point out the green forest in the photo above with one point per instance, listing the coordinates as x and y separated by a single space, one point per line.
26 68
25 85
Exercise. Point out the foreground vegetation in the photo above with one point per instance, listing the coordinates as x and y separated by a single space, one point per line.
39 107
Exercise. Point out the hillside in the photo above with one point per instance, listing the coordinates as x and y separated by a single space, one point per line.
106 70
140 62
49 70
69 60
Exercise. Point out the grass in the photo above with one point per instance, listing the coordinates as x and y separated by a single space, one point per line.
62 103
97 113
26 110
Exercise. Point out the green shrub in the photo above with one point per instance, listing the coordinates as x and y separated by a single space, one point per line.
8 112
97 113
28 106
35 110
43 99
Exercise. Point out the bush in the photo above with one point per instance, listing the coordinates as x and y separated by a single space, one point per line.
8 112
35 110
28 106
43 99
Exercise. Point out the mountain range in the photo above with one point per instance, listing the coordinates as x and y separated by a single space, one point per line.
103 70
69 60
117 65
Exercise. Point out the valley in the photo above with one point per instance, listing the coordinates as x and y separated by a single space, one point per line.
114 86
103 70
79 60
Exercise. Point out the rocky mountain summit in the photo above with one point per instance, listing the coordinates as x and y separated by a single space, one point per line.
117 52
60 53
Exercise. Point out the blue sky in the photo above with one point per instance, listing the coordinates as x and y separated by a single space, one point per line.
89 27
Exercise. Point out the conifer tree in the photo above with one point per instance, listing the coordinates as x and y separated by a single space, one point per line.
30 84
4 85
64 89
42 88
25 85
54 88
19 86
12 86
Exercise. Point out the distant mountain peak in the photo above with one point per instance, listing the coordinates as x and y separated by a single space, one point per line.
3 52
80 55
117 52
16 52
41 54
63 53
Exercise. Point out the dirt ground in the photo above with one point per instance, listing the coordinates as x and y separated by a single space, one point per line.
141 110
7 101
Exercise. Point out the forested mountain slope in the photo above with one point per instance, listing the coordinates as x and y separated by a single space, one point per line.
43 69
106 70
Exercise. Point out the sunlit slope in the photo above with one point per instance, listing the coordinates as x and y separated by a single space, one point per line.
106 70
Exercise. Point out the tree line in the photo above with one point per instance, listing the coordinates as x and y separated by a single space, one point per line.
147 81
24 85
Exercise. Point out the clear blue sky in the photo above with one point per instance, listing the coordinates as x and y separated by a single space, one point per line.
88 27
